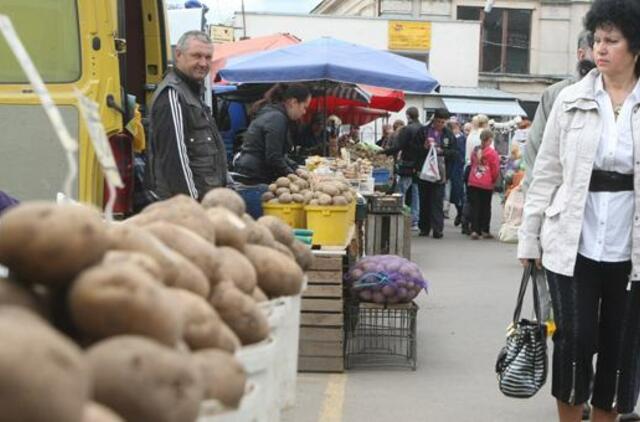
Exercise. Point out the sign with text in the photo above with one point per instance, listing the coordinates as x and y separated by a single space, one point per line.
221 34
409 35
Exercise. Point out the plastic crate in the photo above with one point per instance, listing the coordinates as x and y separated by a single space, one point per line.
381 176
330 224
292 214
380 335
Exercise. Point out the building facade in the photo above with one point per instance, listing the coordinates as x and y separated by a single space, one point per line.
525 45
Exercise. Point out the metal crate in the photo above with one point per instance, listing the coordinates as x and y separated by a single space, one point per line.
380 335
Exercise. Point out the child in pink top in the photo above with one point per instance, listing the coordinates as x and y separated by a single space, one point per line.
485 169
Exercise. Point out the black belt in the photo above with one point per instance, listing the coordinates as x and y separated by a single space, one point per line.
610 181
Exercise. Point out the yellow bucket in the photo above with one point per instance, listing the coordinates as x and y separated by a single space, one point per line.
292 214
330 224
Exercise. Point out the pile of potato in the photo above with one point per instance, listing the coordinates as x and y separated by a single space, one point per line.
300 188
136 320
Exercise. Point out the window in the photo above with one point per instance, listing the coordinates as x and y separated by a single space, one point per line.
49 31
505 38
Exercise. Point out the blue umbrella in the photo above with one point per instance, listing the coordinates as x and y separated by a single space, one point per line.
333 60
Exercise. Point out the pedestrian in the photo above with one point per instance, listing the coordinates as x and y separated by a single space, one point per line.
580 221
456 180
263 157
584 55
385 140
185 154
312 137
406 148
485 169
478 124
435 135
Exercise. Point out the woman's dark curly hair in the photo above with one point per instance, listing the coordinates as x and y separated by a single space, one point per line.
622 14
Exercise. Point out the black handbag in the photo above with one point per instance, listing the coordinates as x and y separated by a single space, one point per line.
522 364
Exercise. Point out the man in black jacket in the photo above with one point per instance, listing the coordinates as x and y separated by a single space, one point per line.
408 147
435 135
185 152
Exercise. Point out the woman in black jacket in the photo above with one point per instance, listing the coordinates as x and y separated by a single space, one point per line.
263 157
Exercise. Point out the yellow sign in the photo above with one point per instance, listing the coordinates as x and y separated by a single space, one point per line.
409 35
221 34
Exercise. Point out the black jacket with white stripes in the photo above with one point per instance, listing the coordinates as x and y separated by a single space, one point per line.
185 152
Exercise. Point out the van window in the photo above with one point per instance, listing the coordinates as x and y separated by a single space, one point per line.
49 31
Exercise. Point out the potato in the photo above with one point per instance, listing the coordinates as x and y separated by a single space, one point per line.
295 188
297 198
348 196
12 293
179 271
267 196
293 177
282 191
94 412
202 326
226 198
302 173
142 260
277 274
273 188
302 253
144 381
107 300
231 230
283 182
41 242
44 375
308 196
314 202
274 201
325 199
285 198
284 250
302 184
191 246
223 376
258 295
281 231
237 268
260 235
339 200
183 211
240 312
330 189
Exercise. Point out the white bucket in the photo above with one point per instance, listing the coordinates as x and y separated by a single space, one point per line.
290 350
259 361
248 411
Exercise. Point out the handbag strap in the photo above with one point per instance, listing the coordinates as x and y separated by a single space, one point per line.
530 272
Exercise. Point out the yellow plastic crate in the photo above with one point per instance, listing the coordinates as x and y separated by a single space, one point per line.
330 224
292 214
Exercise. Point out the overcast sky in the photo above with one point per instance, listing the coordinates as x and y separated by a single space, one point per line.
222 10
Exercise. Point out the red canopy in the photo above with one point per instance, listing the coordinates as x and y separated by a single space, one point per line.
358 116
222 52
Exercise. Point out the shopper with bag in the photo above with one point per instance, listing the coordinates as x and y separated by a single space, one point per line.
437 152
485 169
581 211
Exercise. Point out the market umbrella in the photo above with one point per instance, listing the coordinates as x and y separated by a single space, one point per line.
332 60
380 99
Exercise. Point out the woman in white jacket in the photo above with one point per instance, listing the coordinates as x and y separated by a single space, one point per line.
582 222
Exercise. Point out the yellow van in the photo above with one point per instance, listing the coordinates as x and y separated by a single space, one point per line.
112 51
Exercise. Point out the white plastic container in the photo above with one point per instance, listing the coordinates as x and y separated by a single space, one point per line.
259 361
249 409
290 357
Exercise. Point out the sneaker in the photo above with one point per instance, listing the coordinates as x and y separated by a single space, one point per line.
475 236
437 235
487 236
457 221
586 412
423 234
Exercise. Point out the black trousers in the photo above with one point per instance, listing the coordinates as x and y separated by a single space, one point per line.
431 207
595 313
480 209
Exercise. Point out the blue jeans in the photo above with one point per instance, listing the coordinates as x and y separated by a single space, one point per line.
402 187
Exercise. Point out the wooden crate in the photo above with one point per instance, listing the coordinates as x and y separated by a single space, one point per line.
388 234
322 318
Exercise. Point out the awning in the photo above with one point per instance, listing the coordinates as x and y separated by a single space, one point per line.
481 106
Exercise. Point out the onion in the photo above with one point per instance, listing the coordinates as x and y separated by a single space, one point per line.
402 293
393 299
388 291
378 297
365 295
356 274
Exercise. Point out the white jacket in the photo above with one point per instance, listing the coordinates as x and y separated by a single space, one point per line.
555 202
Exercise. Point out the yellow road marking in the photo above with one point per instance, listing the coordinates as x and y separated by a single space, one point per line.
332 407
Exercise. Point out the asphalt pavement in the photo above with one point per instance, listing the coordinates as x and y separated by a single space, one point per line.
461 328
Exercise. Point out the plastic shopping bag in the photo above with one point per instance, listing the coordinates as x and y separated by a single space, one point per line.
430 171
512 216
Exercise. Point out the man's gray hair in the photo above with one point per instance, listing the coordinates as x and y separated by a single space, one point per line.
585 40
183 42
